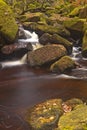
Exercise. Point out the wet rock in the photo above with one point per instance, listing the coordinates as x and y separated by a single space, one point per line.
84 45
63 64
74 120
44 116
8 26
46 55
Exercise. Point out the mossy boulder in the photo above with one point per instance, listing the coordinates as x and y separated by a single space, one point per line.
42 27
32 17
75 12
74 120
63 64
75 24
44 116
46 55
84 45
45 38
52 29
8 26
58 39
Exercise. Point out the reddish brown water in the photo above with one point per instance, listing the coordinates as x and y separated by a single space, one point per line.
22 87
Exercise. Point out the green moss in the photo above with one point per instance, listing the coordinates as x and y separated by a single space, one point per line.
63 64
75 11
8 26
74 120
45 116
75 24
58 39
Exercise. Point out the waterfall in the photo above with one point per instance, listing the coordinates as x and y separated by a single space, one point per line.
22 61
31 38
76 53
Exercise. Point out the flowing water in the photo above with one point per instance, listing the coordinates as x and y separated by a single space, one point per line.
22 86
33 39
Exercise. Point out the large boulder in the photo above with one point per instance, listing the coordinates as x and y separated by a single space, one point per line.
46 55
8 26
84 45
55 38
63 64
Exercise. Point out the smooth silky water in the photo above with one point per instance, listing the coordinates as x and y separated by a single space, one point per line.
22 86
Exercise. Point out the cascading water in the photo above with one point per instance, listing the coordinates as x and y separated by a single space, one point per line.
77 56
76 53
30 38
33 39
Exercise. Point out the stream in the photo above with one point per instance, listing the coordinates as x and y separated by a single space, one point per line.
22 86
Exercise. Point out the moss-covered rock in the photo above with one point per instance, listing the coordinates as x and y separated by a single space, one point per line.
84 45
63 64
51 29
75 24
45 38
74 120
46 54
32 17
73 102
58 39
44 116
42 27
75 12
8 26
56 18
